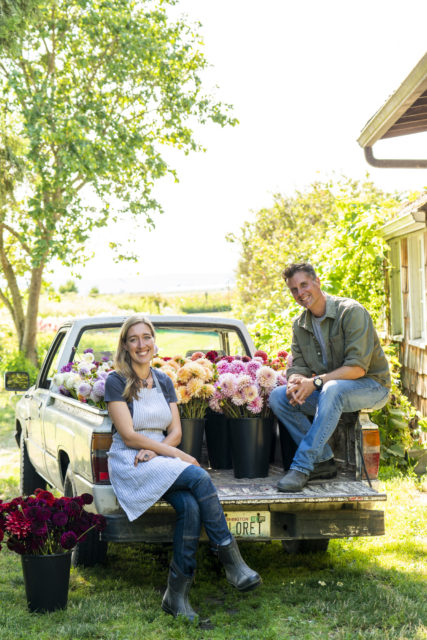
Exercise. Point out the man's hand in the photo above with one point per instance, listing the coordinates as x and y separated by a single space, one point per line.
298 390
144 455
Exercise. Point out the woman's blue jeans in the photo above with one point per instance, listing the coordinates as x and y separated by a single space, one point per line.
336 397
195 500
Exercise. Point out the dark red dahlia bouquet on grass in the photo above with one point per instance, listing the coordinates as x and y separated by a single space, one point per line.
42 524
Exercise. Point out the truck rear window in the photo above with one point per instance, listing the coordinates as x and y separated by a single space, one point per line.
171 341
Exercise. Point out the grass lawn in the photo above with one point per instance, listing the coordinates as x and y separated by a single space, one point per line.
370 588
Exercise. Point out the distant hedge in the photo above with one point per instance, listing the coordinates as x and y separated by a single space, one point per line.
205 308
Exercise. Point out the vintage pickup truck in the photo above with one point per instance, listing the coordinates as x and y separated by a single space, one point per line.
64 443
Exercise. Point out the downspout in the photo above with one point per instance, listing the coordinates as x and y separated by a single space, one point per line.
393 163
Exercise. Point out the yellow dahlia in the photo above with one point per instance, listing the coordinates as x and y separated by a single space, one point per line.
184 374
170 372
207 391
208 368
194 387
196 370
157 362
183 395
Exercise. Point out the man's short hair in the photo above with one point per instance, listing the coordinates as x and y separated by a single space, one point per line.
292 269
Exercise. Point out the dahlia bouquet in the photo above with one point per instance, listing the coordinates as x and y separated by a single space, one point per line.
42 524
244 384
84 379
193 380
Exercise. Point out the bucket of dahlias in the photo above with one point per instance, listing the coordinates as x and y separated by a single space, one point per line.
43 530
193 379
241 394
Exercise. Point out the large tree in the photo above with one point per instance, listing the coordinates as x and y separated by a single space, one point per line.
97 89
334 225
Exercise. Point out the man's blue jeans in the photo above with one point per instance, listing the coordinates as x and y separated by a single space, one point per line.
195 500
336 397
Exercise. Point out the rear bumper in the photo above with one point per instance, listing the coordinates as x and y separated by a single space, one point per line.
339 508
157 525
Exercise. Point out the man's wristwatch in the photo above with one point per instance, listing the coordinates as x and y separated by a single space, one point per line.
318 383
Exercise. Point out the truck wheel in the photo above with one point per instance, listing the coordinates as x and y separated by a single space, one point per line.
92 550
29 479
305 546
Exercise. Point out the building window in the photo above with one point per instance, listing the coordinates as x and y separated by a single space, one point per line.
416 287
395 289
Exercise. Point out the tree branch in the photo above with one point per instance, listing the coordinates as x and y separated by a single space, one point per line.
7 303
16 235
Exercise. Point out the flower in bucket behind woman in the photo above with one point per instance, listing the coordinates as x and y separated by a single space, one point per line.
193 380
244 385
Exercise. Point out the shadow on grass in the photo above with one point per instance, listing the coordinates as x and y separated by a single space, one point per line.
334 588
344 594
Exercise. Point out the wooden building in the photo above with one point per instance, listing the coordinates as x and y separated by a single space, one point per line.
405 112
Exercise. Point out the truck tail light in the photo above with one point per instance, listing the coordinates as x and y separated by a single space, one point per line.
101 442
371 451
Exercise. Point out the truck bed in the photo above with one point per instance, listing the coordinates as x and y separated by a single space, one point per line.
343 488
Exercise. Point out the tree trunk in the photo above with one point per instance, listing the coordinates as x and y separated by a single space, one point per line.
29 344
12 299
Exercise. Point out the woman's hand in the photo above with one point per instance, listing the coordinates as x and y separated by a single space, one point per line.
185 457
144 455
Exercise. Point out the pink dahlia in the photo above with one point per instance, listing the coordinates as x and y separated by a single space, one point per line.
223 366
238 367
281 380
252 367
250 393
197 354
282 354
266 378
227 384
238 399
215 402
243 381
256 405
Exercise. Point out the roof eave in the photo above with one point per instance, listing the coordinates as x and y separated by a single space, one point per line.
410 89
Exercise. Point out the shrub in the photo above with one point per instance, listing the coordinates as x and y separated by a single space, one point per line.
69 287
398 421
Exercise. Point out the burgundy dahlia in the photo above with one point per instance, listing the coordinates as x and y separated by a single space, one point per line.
68 540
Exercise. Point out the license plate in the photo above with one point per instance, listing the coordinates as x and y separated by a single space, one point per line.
249 524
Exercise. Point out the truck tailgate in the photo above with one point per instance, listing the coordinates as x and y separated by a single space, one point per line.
343 488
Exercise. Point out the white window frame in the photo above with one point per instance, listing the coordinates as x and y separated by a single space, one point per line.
396 298
416 279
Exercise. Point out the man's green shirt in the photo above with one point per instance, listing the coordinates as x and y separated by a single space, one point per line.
350 339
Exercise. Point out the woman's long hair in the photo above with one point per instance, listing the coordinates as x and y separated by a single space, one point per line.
122 361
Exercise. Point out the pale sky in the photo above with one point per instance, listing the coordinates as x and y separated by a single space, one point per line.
304 77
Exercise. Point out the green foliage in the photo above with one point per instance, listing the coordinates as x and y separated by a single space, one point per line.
69 287
97 90
398 421
94 291
335 226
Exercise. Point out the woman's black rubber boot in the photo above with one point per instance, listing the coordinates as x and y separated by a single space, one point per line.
175 600
237 571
